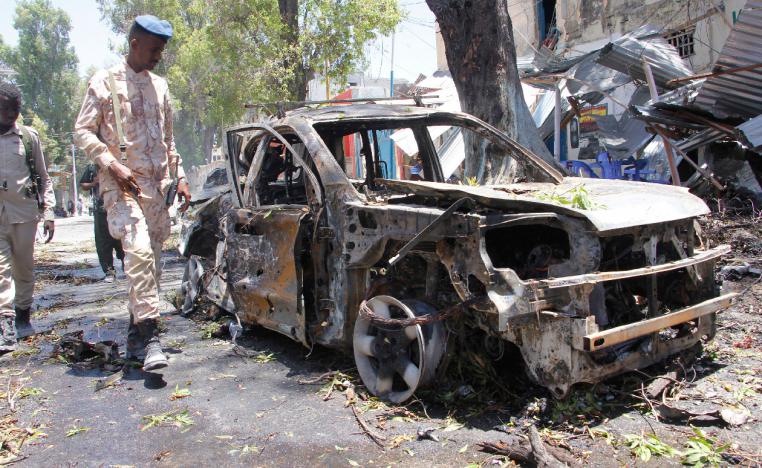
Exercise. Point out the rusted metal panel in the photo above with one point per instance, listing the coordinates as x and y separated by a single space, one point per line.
618 206
618 275
617 335
262 268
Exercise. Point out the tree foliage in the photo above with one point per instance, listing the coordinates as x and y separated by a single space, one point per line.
46 67
226 54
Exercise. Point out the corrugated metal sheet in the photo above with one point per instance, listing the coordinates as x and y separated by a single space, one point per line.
625 54
738 94
544 62
752 130
702 138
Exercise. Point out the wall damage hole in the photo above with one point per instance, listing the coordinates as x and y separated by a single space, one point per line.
260 272
367 220
350 245
352 227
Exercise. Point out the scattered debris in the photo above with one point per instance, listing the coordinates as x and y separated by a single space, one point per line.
427 434
110 381
378 439
73 349
532 451
736 272
12 439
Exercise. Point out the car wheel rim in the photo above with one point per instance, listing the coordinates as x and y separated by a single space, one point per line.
391 361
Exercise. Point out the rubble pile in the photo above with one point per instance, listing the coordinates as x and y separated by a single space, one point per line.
668 124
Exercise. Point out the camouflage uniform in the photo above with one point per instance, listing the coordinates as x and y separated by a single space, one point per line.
19 215
142 224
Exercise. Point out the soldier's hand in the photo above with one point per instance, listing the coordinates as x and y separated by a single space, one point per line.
123 177
48 228
183 192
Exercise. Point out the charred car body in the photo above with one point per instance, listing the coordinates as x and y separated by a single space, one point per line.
298 247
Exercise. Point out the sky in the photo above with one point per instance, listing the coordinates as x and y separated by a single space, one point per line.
89 35
413 41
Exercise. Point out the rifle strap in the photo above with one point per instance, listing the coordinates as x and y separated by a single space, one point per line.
26 139
34 176
117 116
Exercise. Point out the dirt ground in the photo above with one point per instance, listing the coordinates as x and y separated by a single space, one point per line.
266 401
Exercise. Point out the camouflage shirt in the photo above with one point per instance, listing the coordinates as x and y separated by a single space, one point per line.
146 113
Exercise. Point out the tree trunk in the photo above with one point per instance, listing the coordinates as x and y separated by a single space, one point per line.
208 142
297 83
481 55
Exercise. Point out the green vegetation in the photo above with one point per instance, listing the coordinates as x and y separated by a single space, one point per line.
226 54
577 197
171 418
46 73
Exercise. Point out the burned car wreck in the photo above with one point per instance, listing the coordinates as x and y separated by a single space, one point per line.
366 263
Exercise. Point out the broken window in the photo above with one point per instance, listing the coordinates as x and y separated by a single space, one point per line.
682 40
455 144
392 152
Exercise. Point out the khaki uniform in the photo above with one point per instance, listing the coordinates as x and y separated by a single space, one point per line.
141 224
19 215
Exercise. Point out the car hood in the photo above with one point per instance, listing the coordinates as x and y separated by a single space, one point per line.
616 204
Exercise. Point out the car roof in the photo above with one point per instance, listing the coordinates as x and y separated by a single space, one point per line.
360 111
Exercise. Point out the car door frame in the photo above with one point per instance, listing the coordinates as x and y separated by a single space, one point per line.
277 305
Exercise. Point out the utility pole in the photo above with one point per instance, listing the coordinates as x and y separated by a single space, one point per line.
391 71
557 123
327 81
74 173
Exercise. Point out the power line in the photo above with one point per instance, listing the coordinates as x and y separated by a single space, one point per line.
420 39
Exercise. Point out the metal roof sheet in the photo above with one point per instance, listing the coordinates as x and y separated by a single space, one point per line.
752 130
702 138
625 55
737 94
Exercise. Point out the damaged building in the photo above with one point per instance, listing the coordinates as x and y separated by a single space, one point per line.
586 66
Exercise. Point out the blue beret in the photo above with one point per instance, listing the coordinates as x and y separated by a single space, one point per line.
155 26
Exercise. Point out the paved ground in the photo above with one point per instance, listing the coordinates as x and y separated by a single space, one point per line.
257 410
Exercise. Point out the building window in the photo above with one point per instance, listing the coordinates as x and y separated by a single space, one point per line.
682 40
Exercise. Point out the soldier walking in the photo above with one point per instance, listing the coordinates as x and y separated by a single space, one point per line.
105 245
26 196
125 127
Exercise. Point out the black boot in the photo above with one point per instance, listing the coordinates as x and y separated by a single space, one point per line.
136 344
23 324
7 335
154 359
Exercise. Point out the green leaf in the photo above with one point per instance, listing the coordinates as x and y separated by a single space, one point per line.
76 430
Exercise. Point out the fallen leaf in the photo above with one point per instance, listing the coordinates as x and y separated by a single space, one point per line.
352 462
463 449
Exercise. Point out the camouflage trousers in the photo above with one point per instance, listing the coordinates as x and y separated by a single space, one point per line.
16 265
142 226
